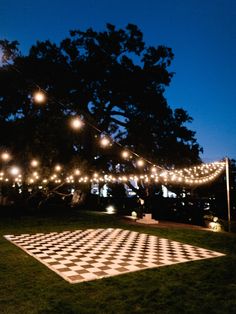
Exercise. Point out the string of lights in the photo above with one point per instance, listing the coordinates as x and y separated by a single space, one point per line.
41 95
76 122
196 175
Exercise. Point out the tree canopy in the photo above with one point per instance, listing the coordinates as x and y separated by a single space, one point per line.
110 78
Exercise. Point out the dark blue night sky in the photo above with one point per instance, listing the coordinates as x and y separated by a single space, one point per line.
202 34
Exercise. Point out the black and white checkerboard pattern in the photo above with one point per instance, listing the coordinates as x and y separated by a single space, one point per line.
84 255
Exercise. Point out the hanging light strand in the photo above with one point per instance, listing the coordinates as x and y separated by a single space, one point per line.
196 174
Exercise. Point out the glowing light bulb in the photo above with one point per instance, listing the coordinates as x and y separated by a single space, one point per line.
34 163
140 163
77 172
125 154
76 123
14 171
57 168
105 141
39 97
5 156
154 169
110 209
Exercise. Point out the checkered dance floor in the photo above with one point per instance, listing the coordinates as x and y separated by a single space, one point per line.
84 255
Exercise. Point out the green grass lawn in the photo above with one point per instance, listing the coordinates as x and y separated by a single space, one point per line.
27 286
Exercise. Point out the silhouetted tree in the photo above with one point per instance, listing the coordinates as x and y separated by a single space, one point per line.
113 80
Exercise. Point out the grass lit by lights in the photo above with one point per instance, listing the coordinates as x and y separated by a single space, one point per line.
27 286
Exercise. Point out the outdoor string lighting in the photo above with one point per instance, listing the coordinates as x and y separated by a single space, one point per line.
5 156
77 172
76 123
154 169
14 170
39 97
193 175
34 163
125 154
105 141
196 175
140 163
58 168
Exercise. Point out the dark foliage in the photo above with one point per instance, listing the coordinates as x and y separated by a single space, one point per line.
110 78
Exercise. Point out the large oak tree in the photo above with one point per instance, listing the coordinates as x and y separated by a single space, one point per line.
112 79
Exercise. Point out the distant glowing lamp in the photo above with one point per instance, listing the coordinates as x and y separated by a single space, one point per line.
34 163
5 156
140 163
57 168
14 171
154 169
215 226
77 172
141 201
39 97
105 142
76 123
125 154
110 209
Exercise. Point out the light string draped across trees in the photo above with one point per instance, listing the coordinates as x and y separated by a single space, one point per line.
191 176
196 175
41 95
